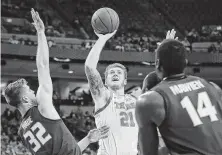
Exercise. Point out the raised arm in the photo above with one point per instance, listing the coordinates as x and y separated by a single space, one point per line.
150 113
45 90
99 92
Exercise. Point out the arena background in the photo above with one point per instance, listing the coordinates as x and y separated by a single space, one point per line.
143 24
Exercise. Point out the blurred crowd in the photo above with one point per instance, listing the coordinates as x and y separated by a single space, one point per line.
10 142
17 20
129 42
78 123
83 98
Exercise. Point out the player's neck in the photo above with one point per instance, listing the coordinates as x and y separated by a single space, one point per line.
23 109
174 76
118 92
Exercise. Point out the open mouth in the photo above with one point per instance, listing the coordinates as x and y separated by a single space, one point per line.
115 78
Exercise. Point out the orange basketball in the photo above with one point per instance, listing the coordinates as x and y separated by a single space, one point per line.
105 20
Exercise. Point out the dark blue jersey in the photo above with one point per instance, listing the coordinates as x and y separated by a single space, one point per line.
193 121
43 136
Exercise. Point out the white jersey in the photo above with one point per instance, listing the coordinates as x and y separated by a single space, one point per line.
119 115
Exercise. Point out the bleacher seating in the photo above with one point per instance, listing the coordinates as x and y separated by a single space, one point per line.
145 20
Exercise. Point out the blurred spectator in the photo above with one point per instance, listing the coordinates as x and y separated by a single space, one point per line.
119 47
89 45
13 40
51 43
193 36
186 43
212 49
22 41
3 29
219 46
29 42
49 31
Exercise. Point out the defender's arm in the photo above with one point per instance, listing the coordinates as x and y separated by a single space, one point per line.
45 90
150 113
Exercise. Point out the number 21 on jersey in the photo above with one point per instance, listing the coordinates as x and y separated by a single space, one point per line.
127 119
37 140
204 108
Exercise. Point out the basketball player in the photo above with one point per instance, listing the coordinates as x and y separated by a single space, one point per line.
149 82
186 109
42 130
113 107
152 79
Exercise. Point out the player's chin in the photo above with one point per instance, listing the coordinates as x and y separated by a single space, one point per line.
116 85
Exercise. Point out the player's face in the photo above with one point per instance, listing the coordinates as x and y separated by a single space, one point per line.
30 94
115 78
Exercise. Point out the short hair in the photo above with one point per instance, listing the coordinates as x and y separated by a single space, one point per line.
172 56
13 91
116 65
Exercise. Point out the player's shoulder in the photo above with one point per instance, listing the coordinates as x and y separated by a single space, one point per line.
149 104
208 82
194 77
150 99
215 86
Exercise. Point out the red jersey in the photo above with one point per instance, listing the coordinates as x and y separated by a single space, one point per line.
193 121
43 136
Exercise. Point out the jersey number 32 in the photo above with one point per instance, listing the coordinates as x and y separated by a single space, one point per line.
37 140
204 108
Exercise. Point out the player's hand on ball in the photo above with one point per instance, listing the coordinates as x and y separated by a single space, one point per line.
105 36
171 34
37 22
97 134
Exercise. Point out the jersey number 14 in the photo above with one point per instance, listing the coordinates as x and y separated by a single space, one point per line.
204 108
37 140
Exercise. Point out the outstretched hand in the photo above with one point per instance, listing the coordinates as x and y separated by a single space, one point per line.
97 134
37 22
106 36
171 34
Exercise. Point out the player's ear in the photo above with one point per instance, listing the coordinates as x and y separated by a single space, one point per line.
186 61
25 99
105 82
157 64
125 82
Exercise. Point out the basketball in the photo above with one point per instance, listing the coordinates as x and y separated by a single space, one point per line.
105 20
